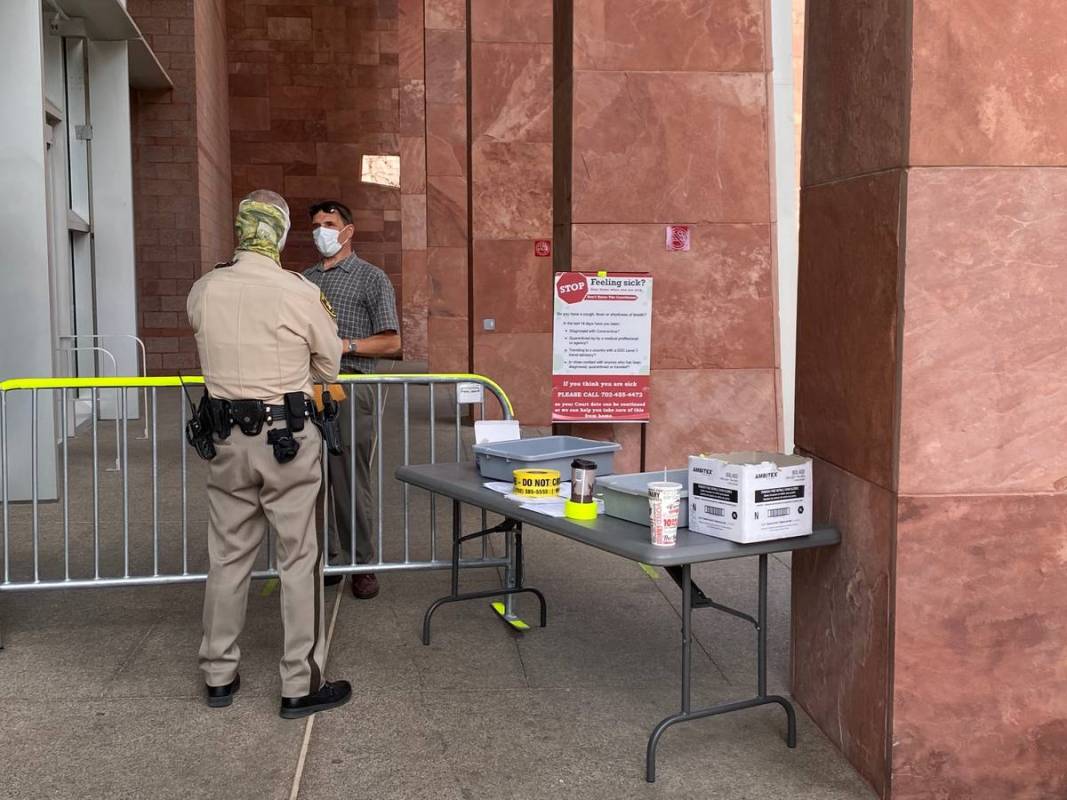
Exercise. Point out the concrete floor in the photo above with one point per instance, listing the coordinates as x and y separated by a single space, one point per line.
102 698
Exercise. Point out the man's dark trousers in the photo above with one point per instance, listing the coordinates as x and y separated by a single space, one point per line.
340 480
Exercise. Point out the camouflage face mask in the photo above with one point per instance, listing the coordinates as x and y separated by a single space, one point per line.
261 228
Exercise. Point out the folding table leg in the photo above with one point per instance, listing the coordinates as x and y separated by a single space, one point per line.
685 581
515 581
761 654
509 527
687 634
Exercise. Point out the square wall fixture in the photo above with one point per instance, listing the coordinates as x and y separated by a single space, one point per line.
382 170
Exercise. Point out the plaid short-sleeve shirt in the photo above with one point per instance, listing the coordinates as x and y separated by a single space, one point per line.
363 297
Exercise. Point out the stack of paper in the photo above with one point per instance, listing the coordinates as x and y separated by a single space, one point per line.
507 489
549 506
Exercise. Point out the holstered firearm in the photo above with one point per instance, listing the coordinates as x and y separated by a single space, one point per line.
329 422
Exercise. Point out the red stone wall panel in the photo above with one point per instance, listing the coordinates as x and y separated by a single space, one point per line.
412 142
445 116
841 637
513 21
446 15
984 345
679 35
513 286
511 156
416 300
981 621
446 139
976 625
411 35
513 191
847 318
711 306
988 83
519 362
855 96
670 147
709 411
509 84
446 212
669 124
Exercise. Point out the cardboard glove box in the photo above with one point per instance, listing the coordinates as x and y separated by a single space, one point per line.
750 497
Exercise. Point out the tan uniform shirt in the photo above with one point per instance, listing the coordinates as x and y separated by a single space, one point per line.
262 331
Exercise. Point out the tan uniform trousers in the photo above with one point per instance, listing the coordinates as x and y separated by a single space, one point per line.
341 478
247 489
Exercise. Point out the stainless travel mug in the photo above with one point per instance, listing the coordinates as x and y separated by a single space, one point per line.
583 477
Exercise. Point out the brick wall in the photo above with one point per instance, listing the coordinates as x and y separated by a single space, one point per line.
213 133
166 186
313 87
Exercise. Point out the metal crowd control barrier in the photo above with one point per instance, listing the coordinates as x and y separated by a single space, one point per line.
99 337
72 525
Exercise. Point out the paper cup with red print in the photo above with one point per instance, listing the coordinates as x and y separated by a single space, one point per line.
664 501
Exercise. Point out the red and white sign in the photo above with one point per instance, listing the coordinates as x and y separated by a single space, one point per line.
571 287
543 248
678 238
601 347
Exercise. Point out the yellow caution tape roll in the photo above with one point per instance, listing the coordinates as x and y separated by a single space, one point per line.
537 482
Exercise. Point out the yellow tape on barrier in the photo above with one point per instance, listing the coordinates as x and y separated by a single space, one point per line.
132 382
135 382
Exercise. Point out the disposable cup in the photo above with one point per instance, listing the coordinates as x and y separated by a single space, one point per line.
664 501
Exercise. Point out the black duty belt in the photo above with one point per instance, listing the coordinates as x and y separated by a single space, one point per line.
214 419
251 415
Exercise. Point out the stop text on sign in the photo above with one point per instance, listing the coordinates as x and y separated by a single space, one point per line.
572 287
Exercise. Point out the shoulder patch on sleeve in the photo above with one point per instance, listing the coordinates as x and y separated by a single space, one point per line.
326 304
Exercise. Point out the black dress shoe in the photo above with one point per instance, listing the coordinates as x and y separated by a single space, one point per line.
331 695
222 696
332 580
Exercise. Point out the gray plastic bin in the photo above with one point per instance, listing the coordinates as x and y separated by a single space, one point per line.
497 460
626 496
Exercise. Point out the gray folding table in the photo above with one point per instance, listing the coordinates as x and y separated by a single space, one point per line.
462 483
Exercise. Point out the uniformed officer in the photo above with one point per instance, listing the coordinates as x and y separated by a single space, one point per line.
264 333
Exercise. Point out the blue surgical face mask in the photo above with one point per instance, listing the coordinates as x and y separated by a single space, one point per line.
327 240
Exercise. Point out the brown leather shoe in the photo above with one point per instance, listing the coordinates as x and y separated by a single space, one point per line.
364 586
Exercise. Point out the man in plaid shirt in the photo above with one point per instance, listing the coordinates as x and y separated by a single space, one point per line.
365 303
